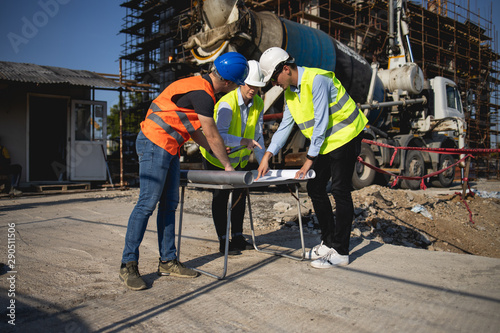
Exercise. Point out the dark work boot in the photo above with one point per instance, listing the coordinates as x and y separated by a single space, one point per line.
129 274
175 268
239 242
231 251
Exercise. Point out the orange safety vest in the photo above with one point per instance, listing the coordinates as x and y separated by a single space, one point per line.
168 125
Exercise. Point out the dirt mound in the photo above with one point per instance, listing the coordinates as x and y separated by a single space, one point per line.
436 222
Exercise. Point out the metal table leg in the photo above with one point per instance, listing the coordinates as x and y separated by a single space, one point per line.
226 251
302 257
179 234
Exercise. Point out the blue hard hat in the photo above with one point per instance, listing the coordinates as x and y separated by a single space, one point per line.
232 66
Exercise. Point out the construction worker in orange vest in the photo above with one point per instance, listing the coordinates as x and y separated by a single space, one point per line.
180 112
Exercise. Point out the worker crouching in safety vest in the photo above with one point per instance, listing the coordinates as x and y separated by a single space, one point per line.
181 111
328 116
239 119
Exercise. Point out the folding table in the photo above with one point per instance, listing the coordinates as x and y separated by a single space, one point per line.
232 187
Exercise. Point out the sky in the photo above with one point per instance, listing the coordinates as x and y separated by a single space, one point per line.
75 34
84 34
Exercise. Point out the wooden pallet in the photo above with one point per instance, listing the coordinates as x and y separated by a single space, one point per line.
62 187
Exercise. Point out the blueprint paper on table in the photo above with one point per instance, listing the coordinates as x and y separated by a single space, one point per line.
278 175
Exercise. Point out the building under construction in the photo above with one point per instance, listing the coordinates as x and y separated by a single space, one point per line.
446 40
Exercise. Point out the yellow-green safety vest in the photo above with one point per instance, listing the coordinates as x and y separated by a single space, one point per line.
345 121
240 157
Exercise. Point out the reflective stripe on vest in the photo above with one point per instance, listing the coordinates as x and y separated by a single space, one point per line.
168 125
334 108
345 121
167 128
240 157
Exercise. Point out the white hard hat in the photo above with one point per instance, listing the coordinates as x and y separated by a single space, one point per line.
255 77
271 58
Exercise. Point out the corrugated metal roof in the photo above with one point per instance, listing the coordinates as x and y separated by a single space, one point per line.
21 72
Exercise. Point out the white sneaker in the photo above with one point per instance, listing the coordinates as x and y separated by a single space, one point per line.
318 251
331 259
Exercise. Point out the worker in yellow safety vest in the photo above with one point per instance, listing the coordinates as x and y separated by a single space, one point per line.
239 119
325 113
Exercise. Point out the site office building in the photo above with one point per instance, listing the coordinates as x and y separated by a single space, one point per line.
50 123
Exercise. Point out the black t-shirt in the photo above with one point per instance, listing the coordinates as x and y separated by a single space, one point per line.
198 100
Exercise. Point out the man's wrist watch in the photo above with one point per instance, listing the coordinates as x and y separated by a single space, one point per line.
311 158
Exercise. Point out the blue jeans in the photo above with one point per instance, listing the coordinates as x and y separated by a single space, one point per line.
159 175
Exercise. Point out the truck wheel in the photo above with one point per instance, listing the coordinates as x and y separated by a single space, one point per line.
415 167
363 176
445 179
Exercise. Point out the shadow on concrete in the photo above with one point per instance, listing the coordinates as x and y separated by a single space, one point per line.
358 253
144 316
285 242
31 316
495 301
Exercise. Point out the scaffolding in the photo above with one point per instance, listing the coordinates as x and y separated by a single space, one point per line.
447 40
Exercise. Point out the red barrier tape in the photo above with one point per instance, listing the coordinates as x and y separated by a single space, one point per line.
398 177
465 202
433 150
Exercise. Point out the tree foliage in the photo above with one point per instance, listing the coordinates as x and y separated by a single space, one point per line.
133 114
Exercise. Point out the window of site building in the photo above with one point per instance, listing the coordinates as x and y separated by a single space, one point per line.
89 122
453 98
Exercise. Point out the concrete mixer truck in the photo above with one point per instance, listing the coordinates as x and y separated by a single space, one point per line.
403 109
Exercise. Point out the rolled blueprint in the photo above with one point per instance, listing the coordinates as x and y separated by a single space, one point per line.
277 175
217 177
